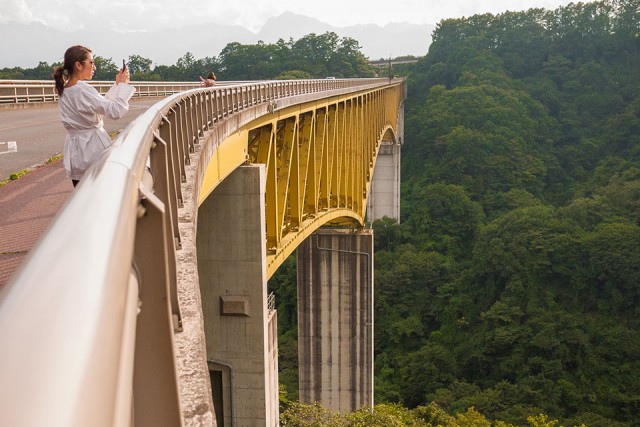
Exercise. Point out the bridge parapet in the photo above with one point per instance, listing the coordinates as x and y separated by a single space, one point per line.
93 317
21 93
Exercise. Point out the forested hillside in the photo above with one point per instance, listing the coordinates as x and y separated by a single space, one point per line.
513 283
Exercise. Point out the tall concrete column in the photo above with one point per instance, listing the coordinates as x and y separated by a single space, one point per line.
384 195
335 319
239 327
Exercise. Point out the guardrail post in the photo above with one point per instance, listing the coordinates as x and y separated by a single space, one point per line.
190 128
209 110
175 165
198 119
181 137
156 393
161 187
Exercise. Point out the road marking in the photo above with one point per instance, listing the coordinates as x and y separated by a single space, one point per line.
8 147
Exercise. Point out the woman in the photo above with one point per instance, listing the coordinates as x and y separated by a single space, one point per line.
209 81
82 109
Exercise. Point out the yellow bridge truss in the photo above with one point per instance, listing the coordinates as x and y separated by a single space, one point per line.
319 158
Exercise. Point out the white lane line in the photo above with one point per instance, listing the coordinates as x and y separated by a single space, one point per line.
8 147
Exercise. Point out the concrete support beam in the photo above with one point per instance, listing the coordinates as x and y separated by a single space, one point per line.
239 327
335 319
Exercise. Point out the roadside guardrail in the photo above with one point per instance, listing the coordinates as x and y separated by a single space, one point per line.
39 91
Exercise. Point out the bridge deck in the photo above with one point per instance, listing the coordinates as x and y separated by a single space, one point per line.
27 206
142 185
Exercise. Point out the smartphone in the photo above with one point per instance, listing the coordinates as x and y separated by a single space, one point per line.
124 65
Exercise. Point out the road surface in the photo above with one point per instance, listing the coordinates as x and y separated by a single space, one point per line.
31 136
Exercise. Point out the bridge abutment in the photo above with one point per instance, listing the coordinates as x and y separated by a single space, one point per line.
240 329
335 319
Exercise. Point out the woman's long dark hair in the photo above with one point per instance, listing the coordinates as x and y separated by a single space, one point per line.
71 56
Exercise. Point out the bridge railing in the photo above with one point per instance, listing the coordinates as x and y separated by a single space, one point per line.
87 323
36 91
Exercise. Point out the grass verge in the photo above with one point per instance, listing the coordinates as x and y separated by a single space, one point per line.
23 172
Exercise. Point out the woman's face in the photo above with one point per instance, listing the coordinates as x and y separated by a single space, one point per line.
86 68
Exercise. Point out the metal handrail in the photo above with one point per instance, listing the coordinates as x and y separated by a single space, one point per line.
89 317
38 91
35 92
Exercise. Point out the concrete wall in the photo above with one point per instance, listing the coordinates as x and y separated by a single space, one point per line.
232 269
335 319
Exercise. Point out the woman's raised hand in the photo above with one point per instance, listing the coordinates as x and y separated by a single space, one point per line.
123 76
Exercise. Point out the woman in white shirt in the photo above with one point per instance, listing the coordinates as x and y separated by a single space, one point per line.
82 109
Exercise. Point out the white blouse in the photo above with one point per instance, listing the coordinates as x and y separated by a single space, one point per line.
81 112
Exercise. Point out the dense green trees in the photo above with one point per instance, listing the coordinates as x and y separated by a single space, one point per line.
512 284
312 56
394 415
522 131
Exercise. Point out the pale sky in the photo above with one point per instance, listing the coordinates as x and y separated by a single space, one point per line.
136 15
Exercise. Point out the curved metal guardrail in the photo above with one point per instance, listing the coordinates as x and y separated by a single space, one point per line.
88 321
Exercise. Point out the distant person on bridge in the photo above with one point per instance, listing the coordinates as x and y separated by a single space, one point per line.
209 81
82 109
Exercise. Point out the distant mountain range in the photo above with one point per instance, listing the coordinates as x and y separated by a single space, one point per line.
27 44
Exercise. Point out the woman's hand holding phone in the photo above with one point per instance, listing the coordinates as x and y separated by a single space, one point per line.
123 75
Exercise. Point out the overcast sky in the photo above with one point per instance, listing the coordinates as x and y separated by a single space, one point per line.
136 15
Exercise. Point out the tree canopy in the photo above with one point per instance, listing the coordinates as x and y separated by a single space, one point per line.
312 56
512 284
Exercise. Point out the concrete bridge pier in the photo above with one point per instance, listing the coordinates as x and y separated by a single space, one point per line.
384 196
240 329
335 318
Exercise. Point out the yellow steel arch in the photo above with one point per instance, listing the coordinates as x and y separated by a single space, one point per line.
319 159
